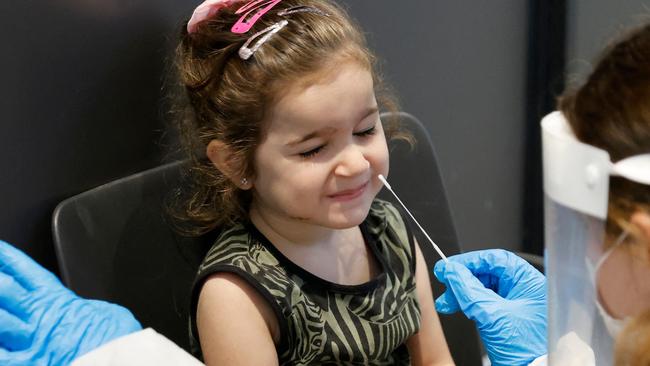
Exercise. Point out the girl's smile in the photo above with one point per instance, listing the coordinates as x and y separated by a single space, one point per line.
349 194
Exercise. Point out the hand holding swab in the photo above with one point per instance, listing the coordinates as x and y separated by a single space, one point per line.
383 180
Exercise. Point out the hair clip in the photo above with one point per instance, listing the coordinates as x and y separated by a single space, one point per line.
302 9
257 8
207 9
245 52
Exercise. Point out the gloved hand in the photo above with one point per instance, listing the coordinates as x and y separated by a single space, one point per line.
504 295
44 323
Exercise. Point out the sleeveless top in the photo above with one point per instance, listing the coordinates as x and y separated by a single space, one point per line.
323 322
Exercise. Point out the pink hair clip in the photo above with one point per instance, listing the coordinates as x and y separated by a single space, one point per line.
245 52
207 10
252 11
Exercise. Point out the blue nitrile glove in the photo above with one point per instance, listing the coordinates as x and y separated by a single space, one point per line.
44 323
504 295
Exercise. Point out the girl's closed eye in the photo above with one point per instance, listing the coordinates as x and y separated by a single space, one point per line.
367 132
312 152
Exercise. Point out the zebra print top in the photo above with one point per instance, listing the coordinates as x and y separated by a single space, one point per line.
322 322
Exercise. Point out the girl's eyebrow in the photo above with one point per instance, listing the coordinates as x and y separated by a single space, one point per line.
320 132
328 130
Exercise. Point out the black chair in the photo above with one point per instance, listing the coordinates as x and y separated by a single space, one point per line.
115 243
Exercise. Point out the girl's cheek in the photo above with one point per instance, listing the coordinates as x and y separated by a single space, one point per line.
381 156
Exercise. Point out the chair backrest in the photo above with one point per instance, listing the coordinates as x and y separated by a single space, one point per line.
114 242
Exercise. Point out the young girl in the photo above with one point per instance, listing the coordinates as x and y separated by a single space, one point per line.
286 144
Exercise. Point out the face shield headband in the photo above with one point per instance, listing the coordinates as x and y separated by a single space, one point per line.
577 174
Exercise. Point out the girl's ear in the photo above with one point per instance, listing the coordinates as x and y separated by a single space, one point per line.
223 159
641 222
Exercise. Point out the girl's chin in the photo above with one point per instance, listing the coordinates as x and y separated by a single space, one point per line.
347 218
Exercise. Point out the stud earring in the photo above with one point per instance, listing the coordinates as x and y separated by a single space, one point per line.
244 181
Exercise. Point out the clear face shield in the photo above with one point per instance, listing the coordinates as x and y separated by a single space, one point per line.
576 187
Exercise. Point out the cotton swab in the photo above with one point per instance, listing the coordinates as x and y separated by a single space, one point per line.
383 180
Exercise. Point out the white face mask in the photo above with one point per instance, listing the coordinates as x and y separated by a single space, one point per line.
614 326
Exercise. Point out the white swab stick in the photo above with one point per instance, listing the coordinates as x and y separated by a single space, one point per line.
383 180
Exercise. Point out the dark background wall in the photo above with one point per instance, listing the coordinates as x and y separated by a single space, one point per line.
594 23
82 98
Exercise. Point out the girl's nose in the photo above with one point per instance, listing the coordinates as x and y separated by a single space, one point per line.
352 162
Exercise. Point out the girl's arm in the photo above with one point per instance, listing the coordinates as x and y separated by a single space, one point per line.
428 346
236 325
